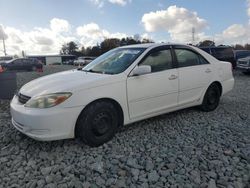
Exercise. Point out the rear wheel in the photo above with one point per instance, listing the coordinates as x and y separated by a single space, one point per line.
97 124
211 99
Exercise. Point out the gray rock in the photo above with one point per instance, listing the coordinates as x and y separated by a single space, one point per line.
98 167
45 171
51 185
86 185
49 179
62 185
75 183
196 176
165 173
171 166
121 183
135 173
149 165
153 176
211 184
212 174
144 185
100 181
238 184
110 181
40 183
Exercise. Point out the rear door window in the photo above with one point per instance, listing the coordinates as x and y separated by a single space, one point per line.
186 58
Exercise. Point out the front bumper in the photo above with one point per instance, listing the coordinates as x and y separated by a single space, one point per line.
243 68
44 124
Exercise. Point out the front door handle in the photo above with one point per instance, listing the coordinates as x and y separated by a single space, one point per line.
173 77
208 71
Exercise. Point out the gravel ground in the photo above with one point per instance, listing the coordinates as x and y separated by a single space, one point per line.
187 148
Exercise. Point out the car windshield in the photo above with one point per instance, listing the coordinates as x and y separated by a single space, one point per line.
242 54
114 61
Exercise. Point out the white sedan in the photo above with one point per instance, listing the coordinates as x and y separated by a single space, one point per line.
122 86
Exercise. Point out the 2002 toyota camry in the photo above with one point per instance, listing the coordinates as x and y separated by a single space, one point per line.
122 86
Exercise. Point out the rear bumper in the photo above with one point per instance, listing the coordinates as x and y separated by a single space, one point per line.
227 85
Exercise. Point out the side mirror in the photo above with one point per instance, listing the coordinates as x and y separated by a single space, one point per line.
140 70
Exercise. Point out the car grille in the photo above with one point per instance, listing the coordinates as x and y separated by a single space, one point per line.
23 98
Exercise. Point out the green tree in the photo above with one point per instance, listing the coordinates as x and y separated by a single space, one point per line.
206 43
109 44
70 49
239 47
247 46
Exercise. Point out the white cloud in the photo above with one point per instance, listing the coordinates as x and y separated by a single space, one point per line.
235 31
119 2
91 30
38 40
91 34
100 3
177 21
3 35
50 40
234 34
59 25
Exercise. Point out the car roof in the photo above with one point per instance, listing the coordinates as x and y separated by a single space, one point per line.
216 47
152 45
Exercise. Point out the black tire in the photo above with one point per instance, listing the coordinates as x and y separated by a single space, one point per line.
97 123
211 99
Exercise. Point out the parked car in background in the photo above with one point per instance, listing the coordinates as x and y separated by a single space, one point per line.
81 61
244 65
238 54
122 86
22 64
222 53
56 63
5 58
68 62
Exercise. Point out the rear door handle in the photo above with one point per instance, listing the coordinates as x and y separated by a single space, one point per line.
173 77
208 71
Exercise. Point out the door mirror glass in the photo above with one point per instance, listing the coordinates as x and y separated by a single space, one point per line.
140 70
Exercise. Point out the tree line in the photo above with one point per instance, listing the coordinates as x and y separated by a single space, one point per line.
72 48
207 43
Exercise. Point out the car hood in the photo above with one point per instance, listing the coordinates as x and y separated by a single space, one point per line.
67 81
244 59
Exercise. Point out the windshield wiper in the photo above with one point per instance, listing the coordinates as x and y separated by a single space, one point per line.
94 71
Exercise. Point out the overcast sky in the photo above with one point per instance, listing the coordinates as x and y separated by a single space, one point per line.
42 26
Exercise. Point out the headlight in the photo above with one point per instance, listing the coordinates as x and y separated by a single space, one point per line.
47 101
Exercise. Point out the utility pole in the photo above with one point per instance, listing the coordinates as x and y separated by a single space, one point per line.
4 49
193 35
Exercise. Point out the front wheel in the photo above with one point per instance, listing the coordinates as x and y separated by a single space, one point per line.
211 99
97 124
